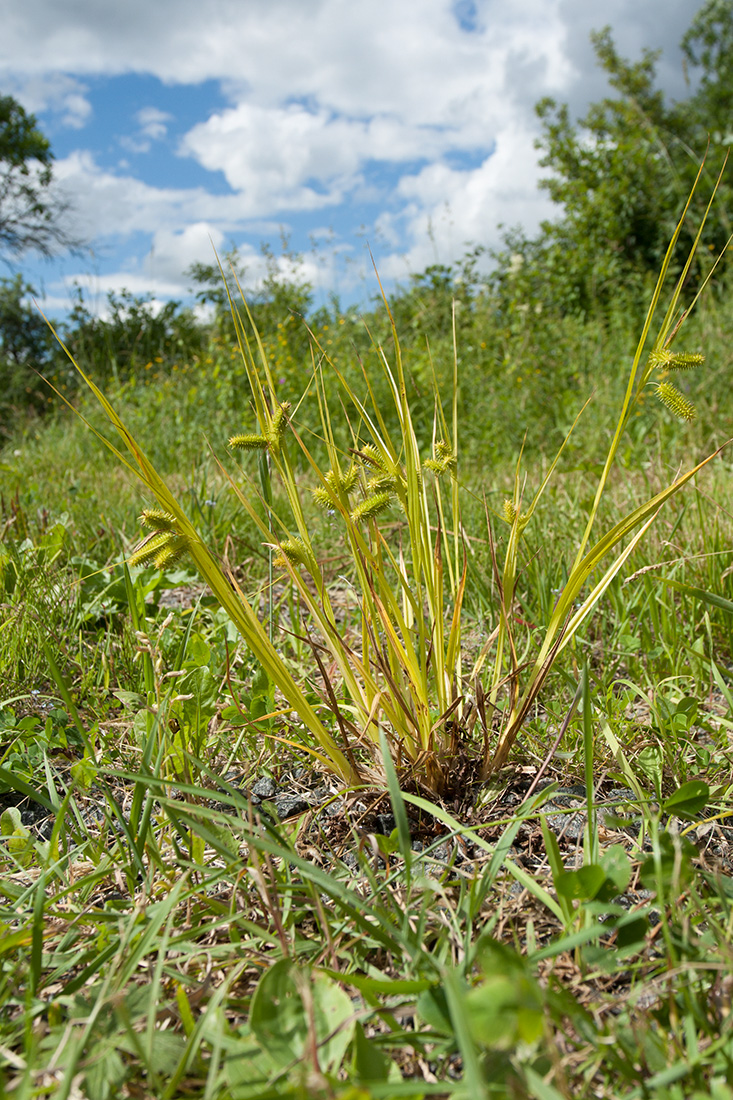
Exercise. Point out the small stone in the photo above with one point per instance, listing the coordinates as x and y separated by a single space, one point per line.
570 826
318 796
385 824
287 805
264 788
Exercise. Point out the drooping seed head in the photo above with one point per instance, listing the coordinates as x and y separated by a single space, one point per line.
172 552
148 548
296 553
675 401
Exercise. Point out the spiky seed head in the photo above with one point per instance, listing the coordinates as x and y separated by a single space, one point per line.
349 479
664 359
659 358
510 514
296 552
676 402
157 520
322 497
148 548
371 507
342 483
444 453
372 457
382 483
172 552
248 442
686 360
444 459
279 424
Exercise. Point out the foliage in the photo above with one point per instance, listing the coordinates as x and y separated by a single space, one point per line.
131 334
278 305
34 600
623 172
27 350
32 215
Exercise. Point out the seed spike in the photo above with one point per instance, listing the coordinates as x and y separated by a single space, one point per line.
248 442
675 401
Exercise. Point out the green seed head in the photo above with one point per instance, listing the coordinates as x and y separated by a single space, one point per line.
342 483
671 360
349 479
372 457
279 425
296 552
149 547
382 483
676 402
169 554
510 514
156 520
248 442
322 497
371 507
444 459
444 453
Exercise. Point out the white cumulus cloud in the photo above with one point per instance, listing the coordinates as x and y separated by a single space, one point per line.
423 110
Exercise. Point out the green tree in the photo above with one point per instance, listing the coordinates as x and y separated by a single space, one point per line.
27 350
133 332
32 215
708 47
622 174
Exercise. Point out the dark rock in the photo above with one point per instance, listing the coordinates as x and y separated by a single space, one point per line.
264 788
570 826
385 824
287 805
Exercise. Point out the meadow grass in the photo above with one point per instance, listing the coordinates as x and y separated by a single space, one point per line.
563 929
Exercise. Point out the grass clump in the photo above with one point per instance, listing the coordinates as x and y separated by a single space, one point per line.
403 676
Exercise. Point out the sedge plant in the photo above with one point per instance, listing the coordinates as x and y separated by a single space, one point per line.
399 675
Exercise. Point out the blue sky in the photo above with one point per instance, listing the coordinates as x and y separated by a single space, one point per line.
406 126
